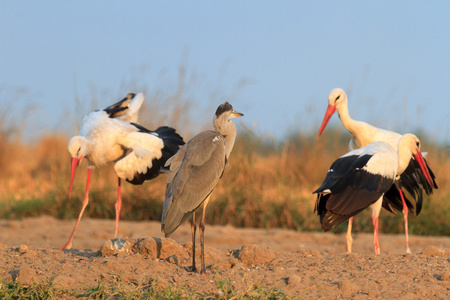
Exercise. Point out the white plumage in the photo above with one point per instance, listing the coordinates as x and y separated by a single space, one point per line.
413 179
360 179
111 136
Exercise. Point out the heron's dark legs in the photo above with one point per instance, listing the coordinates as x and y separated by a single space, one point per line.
118 208
68 245
193 229
202 237
405 216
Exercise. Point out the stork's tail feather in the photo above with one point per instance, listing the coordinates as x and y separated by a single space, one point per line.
172 142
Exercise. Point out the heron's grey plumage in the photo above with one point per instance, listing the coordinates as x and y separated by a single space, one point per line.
196 169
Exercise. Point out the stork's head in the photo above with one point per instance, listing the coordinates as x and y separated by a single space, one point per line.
77 149
336 99
409 145
224 113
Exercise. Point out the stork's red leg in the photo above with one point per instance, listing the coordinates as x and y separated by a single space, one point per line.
405 216
349 235
376 242
118 208
68 245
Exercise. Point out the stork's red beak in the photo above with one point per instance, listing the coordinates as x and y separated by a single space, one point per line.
330 111
423 166
75 162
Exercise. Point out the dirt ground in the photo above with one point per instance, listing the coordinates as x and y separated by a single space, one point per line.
301 265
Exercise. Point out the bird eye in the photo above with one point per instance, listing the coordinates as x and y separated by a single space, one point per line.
418 144
337 98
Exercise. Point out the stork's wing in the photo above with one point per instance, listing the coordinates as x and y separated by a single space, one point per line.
412 182
194 172
348 189
126 109
148 154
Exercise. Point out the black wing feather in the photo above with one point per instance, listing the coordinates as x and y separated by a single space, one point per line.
172 142
352 190
413 182
118 108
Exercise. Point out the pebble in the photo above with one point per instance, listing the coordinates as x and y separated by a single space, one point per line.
294 279
23 248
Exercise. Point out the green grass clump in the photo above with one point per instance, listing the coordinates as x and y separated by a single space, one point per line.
35 291
223 289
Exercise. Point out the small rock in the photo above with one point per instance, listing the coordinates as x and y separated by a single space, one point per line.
293 279
223 265
445 276
432 251
23 248
159 248
115 246
26 275
347 288
173 259
254 254
30 253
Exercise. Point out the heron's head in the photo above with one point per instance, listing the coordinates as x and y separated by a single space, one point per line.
224 113
336 99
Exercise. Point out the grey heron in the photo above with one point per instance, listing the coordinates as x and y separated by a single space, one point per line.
110 135
194 172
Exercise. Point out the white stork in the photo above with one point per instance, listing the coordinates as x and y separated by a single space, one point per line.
361 177
413 179
111 135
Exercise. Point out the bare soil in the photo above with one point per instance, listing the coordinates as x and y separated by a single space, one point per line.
301 265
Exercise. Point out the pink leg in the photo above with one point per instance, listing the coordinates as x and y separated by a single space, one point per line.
118 208
405 216
68 245
349 235
375 235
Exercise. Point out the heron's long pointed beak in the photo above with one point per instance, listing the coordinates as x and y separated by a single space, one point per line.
235 114
330 111
423 166
75 162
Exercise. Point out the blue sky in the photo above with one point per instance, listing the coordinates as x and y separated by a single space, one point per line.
392 58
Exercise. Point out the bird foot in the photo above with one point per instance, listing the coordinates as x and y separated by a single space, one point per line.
67 246
192 269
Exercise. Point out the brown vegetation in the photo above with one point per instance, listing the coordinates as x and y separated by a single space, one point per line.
267 184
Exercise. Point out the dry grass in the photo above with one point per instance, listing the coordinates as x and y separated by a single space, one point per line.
267 183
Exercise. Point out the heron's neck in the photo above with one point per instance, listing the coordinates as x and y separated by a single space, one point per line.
228 131
230 138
